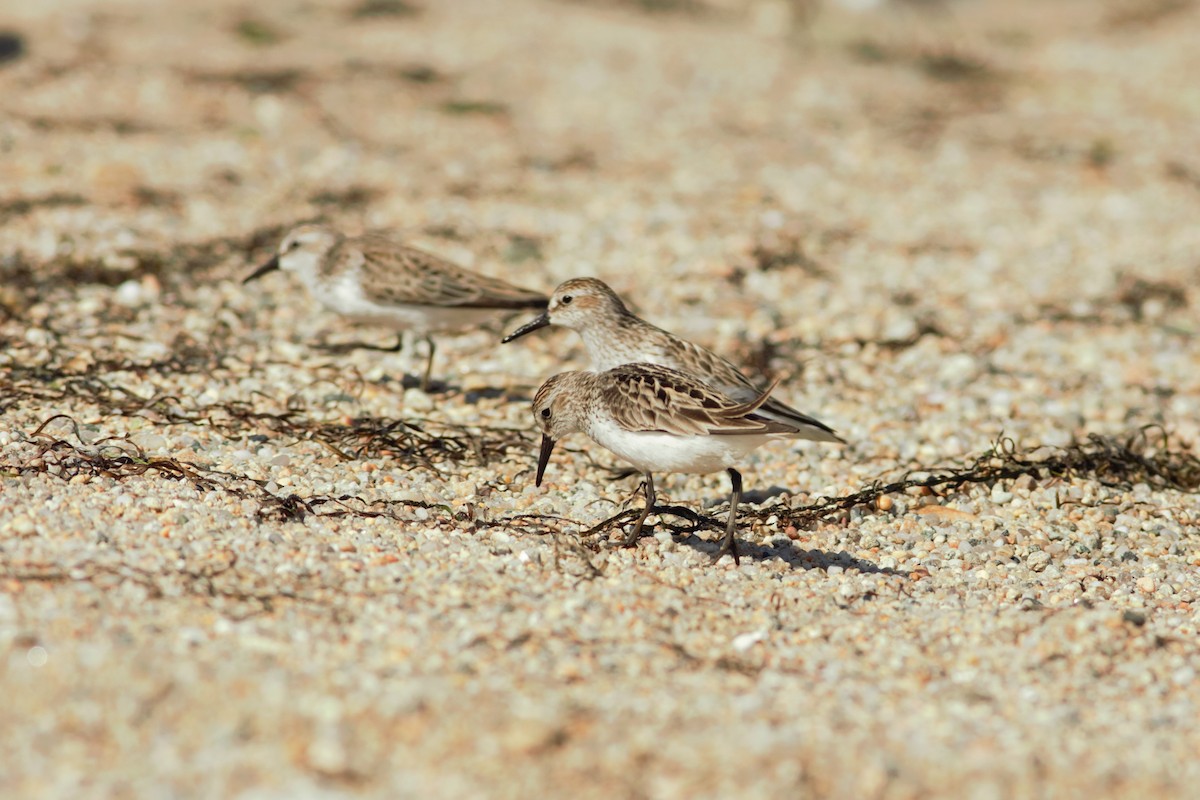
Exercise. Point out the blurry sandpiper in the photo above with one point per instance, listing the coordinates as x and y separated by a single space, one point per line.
373 278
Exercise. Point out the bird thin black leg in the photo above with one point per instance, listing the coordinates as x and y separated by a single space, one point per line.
428 364
729 543
632 538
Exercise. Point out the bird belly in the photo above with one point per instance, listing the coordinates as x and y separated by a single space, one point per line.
345 296
652 451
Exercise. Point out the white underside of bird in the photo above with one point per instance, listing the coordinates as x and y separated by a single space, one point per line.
344 295
656 451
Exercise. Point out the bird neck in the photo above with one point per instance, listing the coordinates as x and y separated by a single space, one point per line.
613 339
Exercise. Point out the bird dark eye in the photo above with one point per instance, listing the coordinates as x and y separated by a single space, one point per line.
545 413
566 301
294 245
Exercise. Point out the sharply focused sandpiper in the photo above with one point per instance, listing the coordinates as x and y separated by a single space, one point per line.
373 278
613 335
660 420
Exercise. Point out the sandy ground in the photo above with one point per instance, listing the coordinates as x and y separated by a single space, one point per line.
233 564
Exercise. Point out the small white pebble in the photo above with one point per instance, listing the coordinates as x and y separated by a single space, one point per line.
37 656
129 294
22 526
744 641
150 441
37 337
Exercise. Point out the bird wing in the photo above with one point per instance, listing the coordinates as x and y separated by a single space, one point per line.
394 273
729 380
647 397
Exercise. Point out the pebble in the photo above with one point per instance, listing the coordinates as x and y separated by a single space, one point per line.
150 441
129 294
22 525
1038 560
743 642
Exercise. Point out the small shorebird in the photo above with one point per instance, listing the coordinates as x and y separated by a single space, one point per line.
613 335
373 278
659 420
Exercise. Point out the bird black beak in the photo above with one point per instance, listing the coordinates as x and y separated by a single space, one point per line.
270 266
544 458
540 321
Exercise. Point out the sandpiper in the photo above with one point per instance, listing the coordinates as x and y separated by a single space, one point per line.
659 420
373 278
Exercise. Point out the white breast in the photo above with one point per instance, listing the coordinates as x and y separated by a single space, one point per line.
345 296
665 452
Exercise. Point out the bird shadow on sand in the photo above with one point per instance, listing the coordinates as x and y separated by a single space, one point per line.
341 348
407 381
776 548
446 389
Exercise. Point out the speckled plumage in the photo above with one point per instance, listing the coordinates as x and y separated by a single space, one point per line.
394 274
613 336
660 420
649 397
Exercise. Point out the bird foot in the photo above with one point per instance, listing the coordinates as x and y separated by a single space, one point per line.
728 546
629 540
